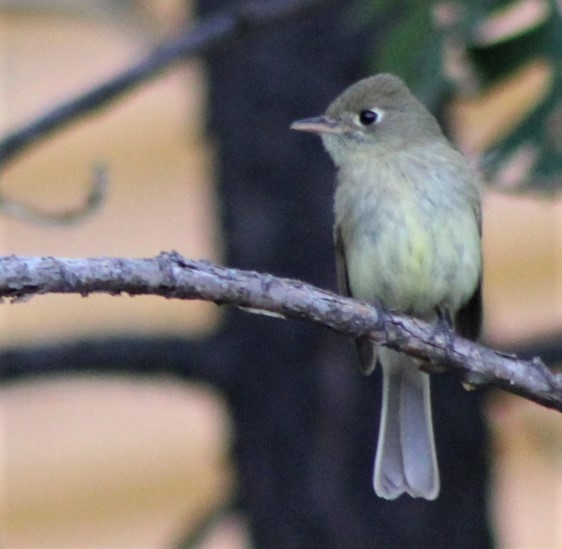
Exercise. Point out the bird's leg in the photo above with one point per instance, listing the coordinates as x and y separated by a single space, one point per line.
442 333
443 328
444 320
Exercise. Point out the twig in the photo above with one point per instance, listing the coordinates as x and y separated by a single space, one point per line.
92 202
205 35
172 276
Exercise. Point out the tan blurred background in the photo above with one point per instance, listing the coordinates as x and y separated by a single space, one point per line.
98 462
101 462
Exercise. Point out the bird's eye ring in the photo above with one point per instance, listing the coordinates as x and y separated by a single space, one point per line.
368 117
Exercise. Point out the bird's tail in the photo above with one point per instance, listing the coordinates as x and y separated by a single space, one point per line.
406 461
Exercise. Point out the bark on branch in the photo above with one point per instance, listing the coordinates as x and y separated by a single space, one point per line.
173 276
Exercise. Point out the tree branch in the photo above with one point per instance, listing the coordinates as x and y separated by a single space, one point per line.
172 276
91 204
205 35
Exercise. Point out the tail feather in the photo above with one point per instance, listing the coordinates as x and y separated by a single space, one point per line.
406 460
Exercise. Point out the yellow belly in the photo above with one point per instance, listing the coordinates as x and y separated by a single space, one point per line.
416 265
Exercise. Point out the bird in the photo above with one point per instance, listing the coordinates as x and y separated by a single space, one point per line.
407 234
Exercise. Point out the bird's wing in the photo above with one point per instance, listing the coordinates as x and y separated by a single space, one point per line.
366 350
341 264
468 320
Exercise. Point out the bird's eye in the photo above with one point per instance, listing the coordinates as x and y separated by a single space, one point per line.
368 117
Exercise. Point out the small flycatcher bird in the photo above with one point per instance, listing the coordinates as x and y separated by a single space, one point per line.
407 236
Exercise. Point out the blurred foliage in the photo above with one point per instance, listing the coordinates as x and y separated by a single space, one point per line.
409 44
467 47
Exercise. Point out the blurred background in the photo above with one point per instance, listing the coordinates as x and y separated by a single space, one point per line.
120 460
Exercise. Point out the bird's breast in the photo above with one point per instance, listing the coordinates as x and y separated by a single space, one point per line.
407 242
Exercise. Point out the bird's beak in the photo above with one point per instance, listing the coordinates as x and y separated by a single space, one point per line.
318 124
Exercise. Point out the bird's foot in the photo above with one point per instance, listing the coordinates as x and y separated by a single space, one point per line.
443 336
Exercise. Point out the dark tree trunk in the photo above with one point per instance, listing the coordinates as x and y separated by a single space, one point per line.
305 419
